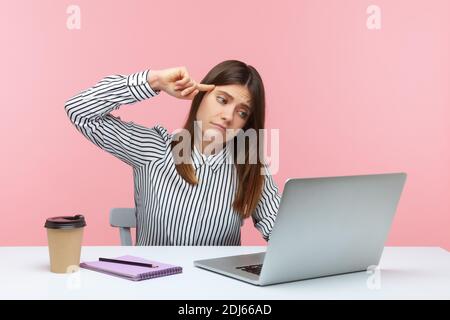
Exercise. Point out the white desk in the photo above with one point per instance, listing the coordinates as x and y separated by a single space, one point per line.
405 273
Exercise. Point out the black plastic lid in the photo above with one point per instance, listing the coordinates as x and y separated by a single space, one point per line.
66 222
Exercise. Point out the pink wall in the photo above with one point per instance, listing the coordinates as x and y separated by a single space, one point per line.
348 100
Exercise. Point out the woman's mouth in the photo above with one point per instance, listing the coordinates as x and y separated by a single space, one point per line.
218 126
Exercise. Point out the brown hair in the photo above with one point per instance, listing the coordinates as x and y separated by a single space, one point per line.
250 180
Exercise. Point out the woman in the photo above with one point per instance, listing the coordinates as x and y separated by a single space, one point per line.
203 201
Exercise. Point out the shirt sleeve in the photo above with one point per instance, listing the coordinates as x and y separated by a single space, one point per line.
267 208
90 110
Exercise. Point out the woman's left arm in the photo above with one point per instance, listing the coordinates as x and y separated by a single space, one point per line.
267 208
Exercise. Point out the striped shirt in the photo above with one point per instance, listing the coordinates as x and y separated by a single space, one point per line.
169 210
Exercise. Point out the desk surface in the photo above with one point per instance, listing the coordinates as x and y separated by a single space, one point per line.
405 273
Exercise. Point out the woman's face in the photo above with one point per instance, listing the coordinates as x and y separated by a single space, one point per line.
224 110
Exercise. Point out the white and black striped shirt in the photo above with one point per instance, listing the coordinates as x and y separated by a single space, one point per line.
169 210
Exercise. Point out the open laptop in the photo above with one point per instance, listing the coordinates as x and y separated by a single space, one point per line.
324 226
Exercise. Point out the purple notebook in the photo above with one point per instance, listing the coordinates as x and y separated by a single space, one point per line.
135 273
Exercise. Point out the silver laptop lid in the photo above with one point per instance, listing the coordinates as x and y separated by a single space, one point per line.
331 225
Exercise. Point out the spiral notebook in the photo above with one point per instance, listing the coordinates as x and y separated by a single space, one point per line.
130 272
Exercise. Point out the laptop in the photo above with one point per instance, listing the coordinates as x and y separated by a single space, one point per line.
324 226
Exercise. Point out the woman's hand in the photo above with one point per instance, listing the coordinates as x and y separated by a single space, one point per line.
177 83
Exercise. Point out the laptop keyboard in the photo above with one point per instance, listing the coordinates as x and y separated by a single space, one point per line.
253 268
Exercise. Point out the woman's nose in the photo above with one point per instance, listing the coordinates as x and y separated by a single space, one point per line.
227 114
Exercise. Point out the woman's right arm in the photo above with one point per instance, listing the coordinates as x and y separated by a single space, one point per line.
90 110
136 145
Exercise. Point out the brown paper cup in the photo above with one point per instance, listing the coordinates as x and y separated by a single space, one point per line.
65 236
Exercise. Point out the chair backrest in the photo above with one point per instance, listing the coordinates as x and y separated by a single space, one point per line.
124 219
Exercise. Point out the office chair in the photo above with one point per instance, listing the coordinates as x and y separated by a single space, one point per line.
124 219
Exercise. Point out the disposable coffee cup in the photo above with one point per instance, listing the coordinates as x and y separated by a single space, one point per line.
65 235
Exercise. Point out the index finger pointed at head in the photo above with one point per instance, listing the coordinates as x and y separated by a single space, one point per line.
205 87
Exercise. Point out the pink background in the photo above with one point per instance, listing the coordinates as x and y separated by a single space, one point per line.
348 100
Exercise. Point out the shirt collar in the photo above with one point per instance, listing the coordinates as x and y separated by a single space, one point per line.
214 161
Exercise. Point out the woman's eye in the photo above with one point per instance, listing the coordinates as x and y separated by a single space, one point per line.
243 114
221 100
